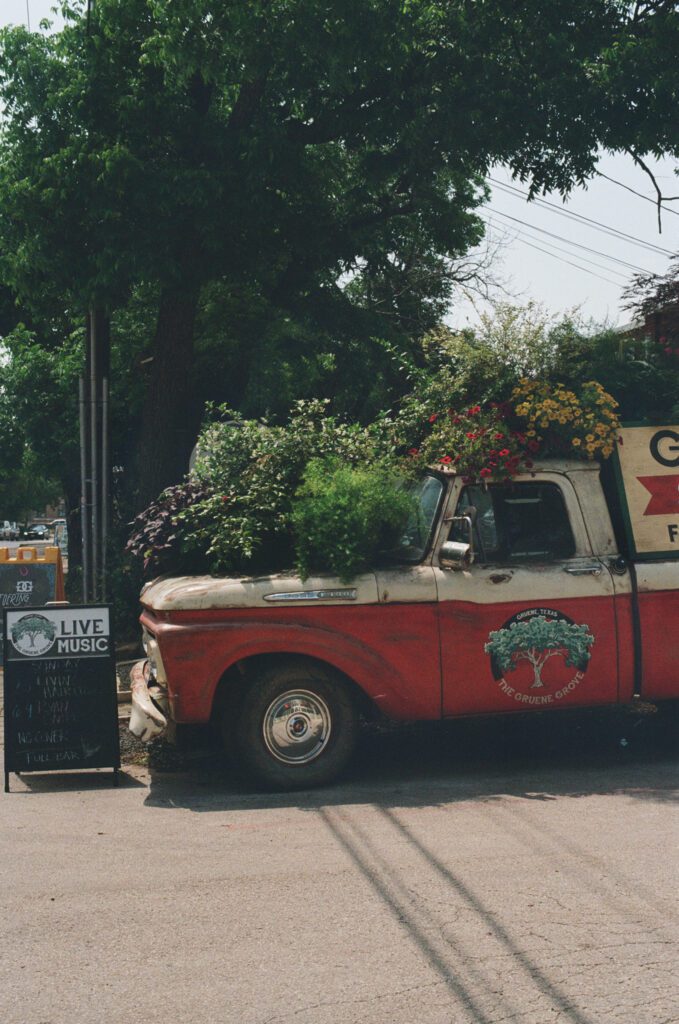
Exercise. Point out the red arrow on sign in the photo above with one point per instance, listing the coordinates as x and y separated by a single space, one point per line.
664 491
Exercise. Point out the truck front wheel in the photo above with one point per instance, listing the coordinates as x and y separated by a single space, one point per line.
297 727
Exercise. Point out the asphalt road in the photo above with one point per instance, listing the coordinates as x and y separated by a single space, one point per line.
522 871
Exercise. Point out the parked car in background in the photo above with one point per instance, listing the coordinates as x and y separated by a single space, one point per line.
8 530
61 535
37 531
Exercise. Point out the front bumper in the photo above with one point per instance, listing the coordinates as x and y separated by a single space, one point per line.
147 720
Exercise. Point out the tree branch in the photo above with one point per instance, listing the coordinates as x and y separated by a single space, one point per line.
550 654
661 198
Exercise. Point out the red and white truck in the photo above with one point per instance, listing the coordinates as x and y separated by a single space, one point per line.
550 592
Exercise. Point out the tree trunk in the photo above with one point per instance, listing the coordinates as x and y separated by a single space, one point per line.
170 420
537 668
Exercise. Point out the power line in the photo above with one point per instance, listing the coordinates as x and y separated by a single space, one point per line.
570 263
28 15
605 228
591 273
583 259
576 245
666 209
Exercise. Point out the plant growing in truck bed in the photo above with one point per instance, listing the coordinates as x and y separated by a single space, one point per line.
239 514
344 516
235 515
157 537
478 443
562 423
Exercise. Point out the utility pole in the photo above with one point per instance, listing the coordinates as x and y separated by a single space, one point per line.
94 441
95 463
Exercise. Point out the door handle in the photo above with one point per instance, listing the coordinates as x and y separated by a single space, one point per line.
584 570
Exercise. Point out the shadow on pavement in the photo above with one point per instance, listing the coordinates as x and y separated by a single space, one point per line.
47 782
534 757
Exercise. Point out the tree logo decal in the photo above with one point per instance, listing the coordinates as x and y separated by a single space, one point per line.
531 638
33 635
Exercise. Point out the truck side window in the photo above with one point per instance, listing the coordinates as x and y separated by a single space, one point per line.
427 494
524 522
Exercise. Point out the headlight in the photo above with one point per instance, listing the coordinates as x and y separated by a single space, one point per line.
152 652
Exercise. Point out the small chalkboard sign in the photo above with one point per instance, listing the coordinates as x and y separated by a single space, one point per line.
61 709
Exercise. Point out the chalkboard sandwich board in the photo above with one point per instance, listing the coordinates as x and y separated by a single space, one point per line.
61 709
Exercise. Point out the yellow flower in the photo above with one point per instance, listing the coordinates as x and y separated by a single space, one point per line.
576 442
589 437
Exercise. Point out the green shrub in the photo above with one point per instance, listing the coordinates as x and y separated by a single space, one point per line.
235 513
252 470
344 516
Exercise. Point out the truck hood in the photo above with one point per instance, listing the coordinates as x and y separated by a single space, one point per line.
196 593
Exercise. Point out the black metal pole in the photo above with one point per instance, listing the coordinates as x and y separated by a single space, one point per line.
94 452
84 511
104 482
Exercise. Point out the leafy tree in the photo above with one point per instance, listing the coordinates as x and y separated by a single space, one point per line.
538 639
30 489
282 147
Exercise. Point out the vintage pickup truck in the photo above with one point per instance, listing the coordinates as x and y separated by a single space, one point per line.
502 598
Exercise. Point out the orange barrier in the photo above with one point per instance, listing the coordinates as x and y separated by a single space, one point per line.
48 556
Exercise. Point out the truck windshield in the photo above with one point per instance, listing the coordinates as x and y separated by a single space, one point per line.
426 499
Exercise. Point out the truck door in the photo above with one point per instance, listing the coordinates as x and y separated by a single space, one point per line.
531 624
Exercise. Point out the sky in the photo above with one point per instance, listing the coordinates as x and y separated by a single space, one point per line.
545 252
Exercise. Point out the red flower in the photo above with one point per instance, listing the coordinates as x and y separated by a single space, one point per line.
472 437
474 411
413 451
225 498
499 437
486 472
433 418
504 451
533 446
445 459
457 421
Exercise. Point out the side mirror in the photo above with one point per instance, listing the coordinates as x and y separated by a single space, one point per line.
455 554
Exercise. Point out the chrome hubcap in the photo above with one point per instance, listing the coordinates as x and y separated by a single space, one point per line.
296 727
